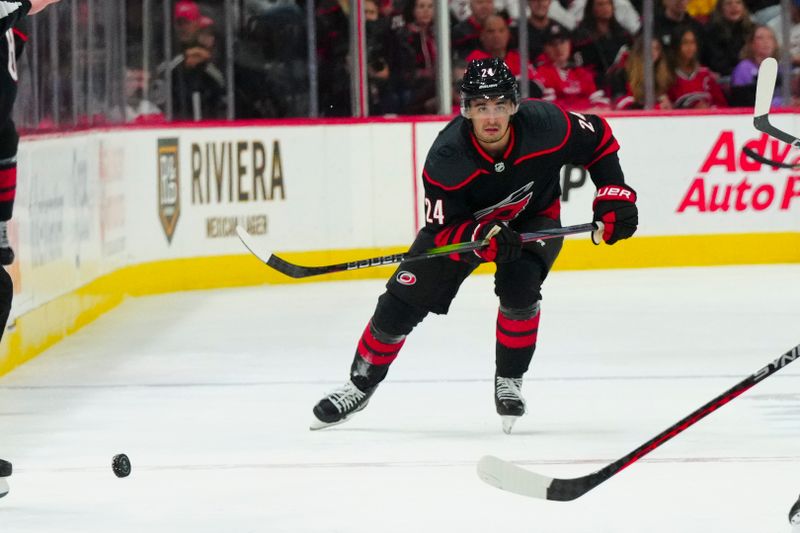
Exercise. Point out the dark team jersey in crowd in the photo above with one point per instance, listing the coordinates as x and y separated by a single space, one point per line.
464 184
11 42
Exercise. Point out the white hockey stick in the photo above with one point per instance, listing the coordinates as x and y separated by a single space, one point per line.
765 88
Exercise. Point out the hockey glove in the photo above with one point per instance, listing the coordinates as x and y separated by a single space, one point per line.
615 207
505 244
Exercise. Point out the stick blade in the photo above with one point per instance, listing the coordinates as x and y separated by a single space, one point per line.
512 478
249 243
767 76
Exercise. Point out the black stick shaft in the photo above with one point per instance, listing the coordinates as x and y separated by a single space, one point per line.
299 271
569 489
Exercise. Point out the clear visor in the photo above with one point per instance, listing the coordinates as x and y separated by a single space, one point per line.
495 107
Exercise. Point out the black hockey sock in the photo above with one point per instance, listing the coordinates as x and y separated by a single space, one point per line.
517 330
376 351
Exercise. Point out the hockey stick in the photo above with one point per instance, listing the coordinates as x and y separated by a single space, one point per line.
765 87
512 478
755 156
299 271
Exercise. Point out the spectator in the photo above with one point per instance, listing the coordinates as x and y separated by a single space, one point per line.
459 67
539 26
694 85
419 61
672 15
599 39
271 64
624 12
565 84
380 49
760 45
187 22
763 10
627 77
137 108
701 10
333 33
726 35
198 85
494 39
776 24
466 34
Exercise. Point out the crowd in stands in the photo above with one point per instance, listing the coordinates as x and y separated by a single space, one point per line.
583 54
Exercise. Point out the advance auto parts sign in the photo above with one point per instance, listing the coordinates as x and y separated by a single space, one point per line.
728 181
169 199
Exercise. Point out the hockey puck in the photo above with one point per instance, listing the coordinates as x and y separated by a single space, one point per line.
121 465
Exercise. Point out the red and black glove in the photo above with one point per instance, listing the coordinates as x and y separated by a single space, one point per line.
615 207
505 244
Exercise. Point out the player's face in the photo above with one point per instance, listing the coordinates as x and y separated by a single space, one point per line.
490 118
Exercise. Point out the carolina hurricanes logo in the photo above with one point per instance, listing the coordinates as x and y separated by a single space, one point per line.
406 278
510 207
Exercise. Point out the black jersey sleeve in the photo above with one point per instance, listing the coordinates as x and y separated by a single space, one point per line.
11 12
592 145
448 217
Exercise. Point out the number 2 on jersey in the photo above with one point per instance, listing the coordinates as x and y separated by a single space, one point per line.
434 211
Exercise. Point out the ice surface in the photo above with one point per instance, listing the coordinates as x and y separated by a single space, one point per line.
210 395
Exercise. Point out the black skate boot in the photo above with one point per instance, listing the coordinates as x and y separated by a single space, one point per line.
508 400
794 513
339 405
5 471
6 253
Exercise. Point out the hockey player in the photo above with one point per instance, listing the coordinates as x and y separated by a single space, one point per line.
11 41
491 173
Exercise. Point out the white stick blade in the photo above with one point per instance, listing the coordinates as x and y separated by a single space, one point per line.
767 76
512 478
247 240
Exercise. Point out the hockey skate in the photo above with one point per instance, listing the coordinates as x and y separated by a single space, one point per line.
6 252
794 514
340 405
5 471
508 400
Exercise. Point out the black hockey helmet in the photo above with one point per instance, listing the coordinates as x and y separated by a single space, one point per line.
488 78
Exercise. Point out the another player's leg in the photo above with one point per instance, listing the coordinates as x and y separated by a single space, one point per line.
5 472
413 291
8 186
518 285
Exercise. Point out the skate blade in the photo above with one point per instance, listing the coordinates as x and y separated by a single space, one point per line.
508 423
3 487
318 424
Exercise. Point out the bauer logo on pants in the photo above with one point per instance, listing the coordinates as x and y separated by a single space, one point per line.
169 197
406 278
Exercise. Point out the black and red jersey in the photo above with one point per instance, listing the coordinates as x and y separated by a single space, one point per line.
11 42
464 183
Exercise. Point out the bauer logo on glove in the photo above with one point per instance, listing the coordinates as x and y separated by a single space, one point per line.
615 207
